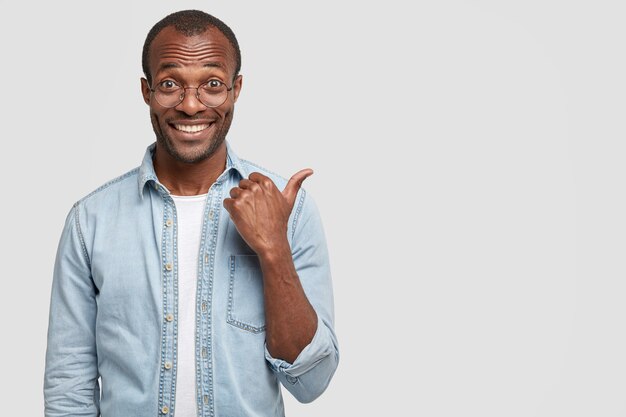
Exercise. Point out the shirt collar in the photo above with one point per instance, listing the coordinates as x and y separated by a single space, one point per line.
147 174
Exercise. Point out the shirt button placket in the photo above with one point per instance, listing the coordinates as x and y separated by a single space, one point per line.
206 282
169 304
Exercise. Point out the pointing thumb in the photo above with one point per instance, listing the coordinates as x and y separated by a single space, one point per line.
294 184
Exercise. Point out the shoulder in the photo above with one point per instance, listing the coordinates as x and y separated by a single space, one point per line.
125 185
251 167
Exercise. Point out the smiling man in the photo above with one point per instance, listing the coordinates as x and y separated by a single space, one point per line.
197 283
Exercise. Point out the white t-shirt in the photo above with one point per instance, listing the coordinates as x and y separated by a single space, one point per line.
189 212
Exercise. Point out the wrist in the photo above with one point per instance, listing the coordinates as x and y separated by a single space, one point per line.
275 253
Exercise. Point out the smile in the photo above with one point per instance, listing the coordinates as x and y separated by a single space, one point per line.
190 128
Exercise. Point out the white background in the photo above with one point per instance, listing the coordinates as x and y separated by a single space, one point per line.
469 171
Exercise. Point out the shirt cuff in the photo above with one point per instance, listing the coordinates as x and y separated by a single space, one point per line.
319 348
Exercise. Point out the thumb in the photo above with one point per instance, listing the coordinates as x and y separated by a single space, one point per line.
294 184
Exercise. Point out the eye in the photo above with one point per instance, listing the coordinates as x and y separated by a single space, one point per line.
213 84
168 85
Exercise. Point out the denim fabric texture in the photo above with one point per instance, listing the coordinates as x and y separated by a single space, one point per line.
113 310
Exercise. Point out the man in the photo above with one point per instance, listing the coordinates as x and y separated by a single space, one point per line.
197 283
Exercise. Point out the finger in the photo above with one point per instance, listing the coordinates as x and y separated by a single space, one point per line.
265 182
235 192
246 184
228 204
294 184
256 177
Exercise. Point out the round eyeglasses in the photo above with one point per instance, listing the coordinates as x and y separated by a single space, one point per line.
212 93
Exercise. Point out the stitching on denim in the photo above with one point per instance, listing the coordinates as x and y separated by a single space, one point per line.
80 234
76 208
262 169
199 311
208 243
245 326
216 220
163 323
296 215
109 183
175 305
230 319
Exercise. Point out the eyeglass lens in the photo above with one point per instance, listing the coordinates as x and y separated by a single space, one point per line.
208 93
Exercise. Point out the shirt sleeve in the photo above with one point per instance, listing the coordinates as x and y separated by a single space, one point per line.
71 370
309 375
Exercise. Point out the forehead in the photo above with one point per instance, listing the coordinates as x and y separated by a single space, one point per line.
172 48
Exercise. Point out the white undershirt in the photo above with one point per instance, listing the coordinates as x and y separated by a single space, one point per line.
189 211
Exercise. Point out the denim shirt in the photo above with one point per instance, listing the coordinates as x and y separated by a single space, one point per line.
113 310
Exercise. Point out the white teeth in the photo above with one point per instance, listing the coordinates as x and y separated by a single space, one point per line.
191 128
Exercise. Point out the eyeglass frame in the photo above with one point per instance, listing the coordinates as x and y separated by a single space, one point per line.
153 90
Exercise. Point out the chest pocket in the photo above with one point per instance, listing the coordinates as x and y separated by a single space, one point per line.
246 309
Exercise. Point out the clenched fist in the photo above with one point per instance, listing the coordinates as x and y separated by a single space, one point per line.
261 211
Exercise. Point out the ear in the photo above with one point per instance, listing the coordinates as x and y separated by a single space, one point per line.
145 91
237 87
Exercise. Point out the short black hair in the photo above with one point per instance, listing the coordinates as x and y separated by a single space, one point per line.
189 23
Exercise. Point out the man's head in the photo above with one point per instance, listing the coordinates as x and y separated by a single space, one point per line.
189 23
191 61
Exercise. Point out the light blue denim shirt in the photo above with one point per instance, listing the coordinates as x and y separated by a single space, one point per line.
113 310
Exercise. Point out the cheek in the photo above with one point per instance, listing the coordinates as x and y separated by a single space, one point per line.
156 122
157 116
225 111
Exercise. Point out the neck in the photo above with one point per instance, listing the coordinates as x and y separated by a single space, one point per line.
182 178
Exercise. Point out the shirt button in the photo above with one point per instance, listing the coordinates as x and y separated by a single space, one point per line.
168 266
211 214
204 306
156 186
168 222
168 365
169 317
206 258
204 352
165 409
205 398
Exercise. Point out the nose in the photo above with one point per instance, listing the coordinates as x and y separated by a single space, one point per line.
190 104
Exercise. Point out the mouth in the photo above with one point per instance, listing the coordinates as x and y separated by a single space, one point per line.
191 128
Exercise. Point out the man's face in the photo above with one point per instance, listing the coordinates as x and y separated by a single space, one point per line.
191 132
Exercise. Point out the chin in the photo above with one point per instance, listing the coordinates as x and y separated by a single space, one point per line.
194 154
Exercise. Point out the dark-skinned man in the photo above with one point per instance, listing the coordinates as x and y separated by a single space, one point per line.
197 283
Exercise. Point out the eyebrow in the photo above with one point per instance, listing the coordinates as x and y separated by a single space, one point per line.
168 65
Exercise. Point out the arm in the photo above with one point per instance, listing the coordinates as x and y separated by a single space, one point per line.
310 373
301 346
71 373
290 319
